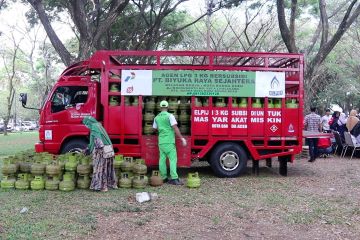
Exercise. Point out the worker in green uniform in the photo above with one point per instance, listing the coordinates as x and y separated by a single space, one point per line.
165 123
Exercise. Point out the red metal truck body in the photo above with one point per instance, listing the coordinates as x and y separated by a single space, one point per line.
225 136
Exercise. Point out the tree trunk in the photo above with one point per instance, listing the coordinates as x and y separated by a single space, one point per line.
55 41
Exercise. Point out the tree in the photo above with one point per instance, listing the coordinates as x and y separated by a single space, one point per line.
143 24
350 11
9 58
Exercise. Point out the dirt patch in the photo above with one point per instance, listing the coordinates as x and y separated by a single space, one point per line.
317 200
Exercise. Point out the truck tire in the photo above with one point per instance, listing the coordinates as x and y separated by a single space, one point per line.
75 145
228 160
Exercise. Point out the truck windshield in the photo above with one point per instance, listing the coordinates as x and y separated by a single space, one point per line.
68 96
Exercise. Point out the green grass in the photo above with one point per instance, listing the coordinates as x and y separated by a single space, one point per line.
16 142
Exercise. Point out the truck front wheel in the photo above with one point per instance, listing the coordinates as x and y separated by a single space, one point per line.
75 145
228 160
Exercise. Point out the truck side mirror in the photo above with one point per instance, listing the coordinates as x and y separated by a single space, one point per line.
23 98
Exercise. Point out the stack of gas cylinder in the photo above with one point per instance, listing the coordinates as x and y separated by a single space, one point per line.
133 173
179 107
41 171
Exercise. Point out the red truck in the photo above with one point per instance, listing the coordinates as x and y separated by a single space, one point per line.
231 106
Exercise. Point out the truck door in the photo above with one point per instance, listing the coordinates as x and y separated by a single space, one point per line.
67 106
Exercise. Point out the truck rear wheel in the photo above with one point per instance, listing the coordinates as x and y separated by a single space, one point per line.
228 160
75 145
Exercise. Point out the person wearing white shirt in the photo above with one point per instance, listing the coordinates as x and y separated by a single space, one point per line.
325 121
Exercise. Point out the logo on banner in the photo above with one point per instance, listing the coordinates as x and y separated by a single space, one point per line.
275 84
132 76
130 89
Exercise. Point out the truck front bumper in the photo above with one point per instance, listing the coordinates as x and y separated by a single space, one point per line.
39 147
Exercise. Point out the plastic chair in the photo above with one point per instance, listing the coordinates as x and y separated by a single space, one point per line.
350 142
339 143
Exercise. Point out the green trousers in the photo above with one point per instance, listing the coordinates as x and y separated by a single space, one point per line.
168 151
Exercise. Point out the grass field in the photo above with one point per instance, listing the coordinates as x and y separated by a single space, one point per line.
316 201
16 142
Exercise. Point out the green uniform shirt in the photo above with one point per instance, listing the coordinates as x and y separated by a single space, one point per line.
166 132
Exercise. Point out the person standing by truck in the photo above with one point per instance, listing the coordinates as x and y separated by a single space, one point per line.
166 125
313 125
100 148
325 121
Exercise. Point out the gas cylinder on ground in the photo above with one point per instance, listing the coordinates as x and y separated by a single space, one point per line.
23 181
155 179
124 181
83 181
9 167
7 182
52 183
53 168
193 180
118 160
37 183
71 163
67 184
139 181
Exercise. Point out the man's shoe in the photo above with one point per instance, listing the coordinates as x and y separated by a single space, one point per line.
165 180
311 160
175 182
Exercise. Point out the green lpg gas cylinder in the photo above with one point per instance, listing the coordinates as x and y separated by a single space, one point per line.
243 103
220 102
37 183
114 101
135 101
256 103
184 103
198 103
271 103
67 184
139 181
193 180
83 182
277 103
23 181
9 167
53 168
114 87
84 168
184 116
38 168
52 183
292 104
124 181
118 160
173 103
149 116
184 128
139 167
148 128
234 103
127 164
7 183
71 163
150 104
